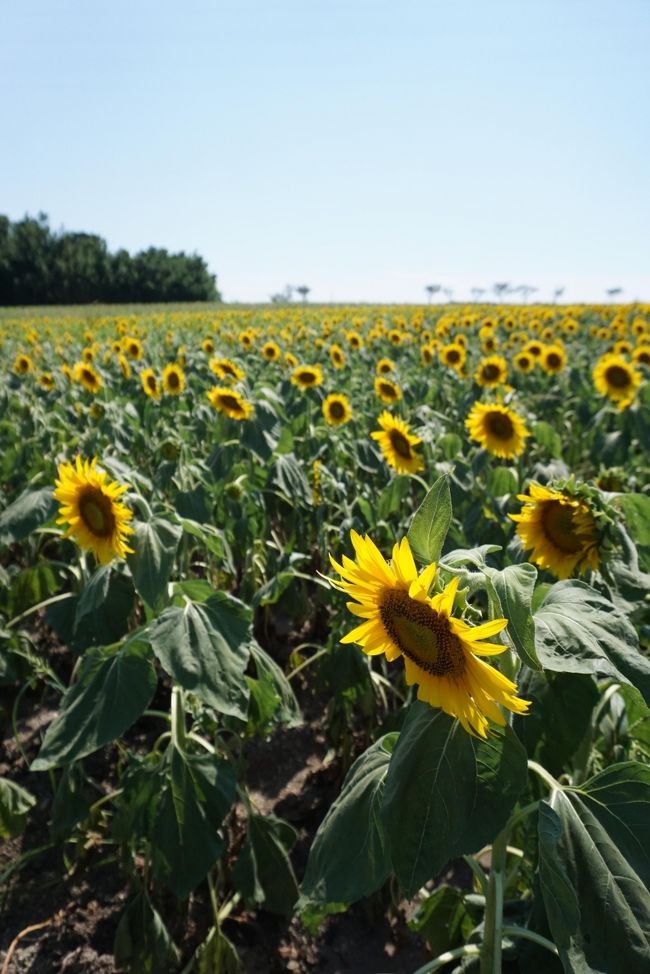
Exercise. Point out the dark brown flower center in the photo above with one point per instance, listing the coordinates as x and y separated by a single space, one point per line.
557 521
230 402
387 390
500 425
96 512
337 410
553 360
173 380
491 372
422 634
400 444
453 356
617 376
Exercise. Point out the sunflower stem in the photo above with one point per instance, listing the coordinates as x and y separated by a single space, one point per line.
491 949
179 733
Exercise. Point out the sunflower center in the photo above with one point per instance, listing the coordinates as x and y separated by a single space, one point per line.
230 402
336 410
307 378
400 444
553 360
617 376
422 634
173 380
491 372
453 356
96 512
387 390
557 520
500 425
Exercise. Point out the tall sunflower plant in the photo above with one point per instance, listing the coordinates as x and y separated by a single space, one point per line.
522 753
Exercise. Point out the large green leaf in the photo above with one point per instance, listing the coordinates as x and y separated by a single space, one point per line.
577 630
113 688
205 648
284 706
103 608
15 803
447 793
142 942
349 858
197 793
154 544
595 871
431 522
636 511
264 872
514 586
29 511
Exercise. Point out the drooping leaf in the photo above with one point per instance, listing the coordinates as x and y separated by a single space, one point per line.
142 941
264 873
285 707
15 803
446 793
205 648
29 511
154 544
103 608
113 688
349 857
514 586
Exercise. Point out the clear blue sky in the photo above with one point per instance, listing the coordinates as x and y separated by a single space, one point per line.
362 148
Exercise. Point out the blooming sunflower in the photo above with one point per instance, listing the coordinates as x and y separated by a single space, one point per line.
641 355
524 362
553 359
226 369
173 379
23 364
307 376
384 366
124 366
46 381
87 376
616 379
337 409
354 339
337 356
150 383
230 402
497 428
396 442
90 505
133 348
207 345
559 530
271 351
386 390
441 653
492 371
453 355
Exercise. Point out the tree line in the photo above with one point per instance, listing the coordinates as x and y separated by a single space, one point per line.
40 266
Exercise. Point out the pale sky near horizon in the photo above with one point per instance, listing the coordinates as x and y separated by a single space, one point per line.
365 149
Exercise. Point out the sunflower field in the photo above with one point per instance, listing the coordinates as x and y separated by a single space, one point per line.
324 639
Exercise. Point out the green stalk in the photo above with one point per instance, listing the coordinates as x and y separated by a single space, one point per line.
491 949
179 733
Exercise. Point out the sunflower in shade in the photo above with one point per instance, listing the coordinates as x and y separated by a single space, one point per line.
441 652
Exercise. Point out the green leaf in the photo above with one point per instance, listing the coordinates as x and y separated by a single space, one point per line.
264 873
447 793
154 543
31 586
636 511
577 630
431 522
288 476
196 794
548 437
502 481
205 648
595 870
15 803
113 688
103 608
469 556
217 955
286 708
514 586
29 511
442 919
142 942
561 713
349 858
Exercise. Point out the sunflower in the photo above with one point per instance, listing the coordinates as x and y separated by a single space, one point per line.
553 359
271 351
173 379
89 502
524 362
207 346
616 379
337 409
290 360
641 355
67 372
384 366
441 653
86 376
354 339
150 383
558 529
307 376
230 402
124 366
23 364
492 371
46 381
133 348
246 339
534 348
427 354
386 390
497 428
226 369
453 355
337 356
396 443
88 354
